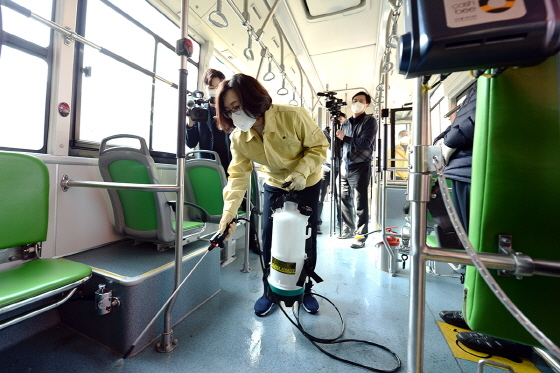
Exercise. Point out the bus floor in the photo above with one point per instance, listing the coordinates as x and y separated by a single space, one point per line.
224 335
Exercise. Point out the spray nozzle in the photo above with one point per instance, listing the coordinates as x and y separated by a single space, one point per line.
219 238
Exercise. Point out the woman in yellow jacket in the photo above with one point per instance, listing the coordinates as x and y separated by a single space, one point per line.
401 153
288 145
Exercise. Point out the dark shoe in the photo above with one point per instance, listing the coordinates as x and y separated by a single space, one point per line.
454 318
495 346
345 235
263 306
310 304
358 244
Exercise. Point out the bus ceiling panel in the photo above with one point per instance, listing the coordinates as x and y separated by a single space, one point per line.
345 31
201 7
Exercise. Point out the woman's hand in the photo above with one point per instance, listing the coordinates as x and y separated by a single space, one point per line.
297 181
227 217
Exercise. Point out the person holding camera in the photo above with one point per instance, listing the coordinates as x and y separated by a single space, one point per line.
358 138
289 146
205 133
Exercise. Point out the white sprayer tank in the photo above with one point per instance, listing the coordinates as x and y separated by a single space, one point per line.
288 249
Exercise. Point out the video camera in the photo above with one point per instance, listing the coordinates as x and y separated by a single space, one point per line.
332 104
195 102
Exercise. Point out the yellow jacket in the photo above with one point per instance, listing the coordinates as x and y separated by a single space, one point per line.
291 142
399 154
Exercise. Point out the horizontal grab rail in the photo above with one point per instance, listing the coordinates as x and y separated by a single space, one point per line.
66 184
492 260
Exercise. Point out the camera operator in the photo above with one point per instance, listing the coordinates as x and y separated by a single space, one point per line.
205 133
358 137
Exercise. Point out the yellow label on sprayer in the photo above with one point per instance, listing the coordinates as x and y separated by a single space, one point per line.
288 268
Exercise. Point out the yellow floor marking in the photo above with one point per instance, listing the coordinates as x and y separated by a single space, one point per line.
450 332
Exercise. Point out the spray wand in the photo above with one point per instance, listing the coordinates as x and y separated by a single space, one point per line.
217 240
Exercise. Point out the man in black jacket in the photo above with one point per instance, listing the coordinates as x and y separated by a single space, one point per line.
358 138
206 134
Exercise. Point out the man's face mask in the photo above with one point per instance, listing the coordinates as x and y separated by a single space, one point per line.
357 107
211 92
405 140
242 120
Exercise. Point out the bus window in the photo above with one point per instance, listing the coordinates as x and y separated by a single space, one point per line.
119 98
27 28
23 105
25 70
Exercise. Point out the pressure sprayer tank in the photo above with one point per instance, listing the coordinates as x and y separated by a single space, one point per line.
288 251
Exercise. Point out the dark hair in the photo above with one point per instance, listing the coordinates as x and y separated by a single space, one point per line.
368 97
253 97
341 114
211 74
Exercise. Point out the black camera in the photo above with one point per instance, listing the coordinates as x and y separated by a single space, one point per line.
195 102
332 104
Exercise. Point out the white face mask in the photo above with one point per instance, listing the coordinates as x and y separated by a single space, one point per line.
357 107
212 92
242 120
405 140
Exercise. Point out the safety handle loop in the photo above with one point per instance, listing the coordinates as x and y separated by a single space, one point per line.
390 42
219 13
283 91
387 67
269 74
293 100
248 52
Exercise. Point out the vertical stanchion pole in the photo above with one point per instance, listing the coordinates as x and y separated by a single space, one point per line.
419 194
168 344
248 213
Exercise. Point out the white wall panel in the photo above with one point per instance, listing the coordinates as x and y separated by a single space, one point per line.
84 216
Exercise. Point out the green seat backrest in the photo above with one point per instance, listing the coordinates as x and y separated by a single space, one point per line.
205 180
207 188
24 200
515 191
139 208
139 215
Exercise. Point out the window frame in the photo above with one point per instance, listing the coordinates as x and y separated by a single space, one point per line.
44 53
86 148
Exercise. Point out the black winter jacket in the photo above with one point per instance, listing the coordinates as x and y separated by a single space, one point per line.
460 135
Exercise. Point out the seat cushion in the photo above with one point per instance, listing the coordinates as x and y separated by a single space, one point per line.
38 276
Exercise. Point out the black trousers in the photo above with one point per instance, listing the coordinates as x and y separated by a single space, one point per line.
310 196
461 201
355 186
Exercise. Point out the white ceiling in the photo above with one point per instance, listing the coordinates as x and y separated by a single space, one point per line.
341 52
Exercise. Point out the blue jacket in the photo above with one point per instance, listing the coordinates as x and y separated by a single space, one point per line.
209 137
460 135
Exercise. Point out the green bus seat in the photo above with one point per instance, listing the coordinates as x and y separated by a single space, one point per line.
26 279
515 179
144 216
205 180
